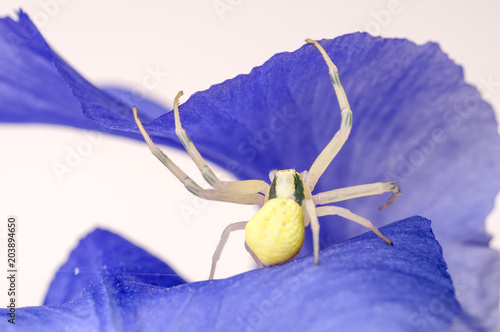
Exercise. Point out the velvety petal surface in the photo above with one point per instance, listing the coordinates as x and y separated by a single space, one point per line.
362 284
102 254
415 121
31 90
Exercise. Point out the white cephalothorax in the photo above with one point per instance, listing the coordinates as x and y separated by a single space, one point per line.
275 234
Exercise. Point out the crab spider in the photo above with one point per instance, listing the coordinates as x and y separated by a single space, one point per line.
275 234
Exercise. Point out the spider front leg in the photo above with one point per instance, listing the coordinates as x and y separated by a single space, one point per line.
246 192
330 151
343 194
345 213
240 187
337 195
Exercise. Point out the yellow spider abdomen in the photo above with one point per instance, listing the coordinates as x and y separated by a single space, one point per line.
276 232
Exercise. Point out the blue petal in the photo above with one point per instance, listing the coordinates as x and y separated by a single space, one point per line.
27 73
415 121
33 91
361 284
102 254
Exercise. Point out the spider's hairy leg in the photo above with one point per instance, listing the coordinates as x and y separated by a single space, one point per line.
254 256
193 187
330 151
345 213
223 240
241 187
343 194
310 210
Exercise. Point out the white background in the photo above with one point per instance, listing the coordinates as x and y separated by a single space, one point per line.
119 185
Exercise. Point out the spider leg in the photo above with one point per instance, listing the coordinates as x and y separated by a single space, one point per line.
241 187
310 209
343 194
345 213
223 239
193 187
254 256
330 151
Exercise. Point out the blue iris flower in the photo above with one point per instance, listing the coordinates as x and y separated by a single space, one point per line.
415 122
